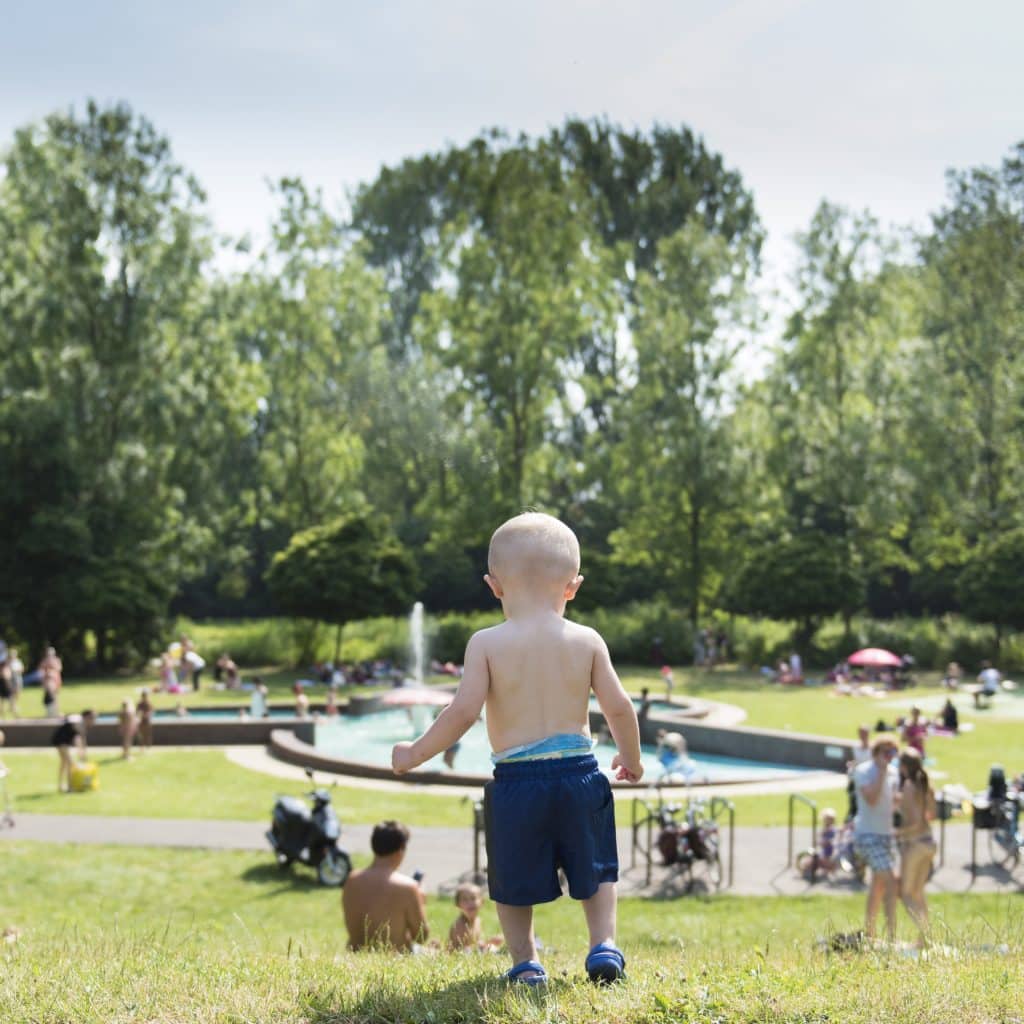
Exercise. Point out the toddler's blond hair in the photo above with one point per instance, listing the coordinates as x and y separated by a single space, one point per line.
533 544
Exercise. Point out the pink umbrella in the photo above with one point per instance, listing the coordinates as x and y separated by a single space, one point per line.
876 657
414 696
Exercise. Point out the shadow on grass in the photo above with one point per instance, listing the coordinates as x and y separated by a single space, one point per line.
468 999
21 799
276 880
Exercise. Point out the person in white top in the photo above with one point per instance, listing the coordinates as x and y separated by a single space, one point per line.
796 667
873 831
861 753
191 662
989 679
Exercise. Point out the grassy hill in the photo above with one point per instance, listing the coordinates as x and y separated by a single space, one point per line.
114 936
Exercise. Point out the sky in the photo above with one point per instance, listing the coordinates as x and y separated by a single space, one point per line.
865 104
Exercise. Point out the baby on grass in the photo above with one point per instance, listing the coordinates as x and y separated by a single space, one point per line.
548 807
466 933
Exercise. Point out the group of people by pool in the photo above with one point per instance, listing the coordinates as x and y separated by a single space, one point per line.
49 675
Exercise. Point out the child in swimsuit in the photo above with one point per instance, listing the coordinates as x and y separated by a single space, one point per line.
827 839
549 807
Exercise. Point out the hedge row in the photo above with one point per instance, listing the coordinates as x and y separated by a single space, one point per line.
630 633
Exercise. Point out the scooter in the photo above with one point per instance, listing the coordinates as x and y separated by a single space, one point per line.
309 835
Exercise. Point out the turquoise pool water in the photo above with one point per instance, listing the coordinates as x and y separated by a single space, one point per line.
369 738
203 715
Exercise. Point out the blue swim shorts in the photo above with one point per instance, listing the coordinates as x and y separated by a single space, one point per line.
544 815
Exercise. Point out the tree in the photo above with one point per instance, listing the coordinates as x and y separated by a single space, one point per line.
526 284
678 477
797 578
108 353
353 567
974 371
834 406
990 584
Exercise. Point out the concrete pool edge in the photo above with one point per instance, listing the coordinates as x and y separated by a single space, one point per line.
816 753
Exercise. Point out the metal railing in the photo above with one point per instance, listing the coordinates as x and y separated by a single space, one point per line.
478 833
719 804
794 799
645 815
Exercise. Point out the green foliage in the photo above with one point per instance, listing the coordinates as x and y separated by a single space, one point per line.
630 632
679 478
107 356
801 578
353 567
990 585
557 321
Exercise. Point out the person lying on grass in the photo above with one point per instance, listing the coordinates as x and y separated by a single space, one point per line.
549 807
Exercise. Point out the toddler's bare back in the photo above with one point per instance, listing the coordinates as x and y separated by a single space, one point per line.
540 671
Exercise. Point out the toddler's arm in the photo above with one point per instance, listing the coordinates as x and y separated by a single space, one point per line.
618 712
452 723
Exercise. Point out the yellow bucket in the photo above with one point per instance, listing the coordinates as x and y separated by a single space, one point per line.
84 777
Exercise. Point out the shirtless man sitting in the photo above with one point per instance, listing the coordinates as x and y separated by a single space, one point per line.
383 907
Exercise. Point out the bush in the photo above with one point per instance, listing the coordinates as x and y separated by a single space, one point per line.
629 632
248 641
447 635
756 642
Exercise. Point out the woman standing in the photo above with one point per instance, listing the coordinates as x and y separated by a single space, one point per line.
917 847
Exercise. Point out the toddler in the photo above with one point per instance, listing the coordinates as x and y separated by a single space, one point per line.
466 932
827 841
548 807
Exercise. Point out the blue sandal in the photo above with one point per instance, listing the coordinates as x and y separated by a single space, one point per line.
536 975
605 964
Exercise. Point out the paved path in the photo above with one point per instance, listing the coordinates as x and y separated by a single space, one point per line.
445 855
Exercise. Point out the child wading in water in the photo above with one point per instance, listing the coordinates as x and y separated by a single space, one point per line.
549 806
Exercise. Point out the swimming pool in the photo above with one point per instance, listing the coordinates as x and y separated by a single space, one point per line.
369 739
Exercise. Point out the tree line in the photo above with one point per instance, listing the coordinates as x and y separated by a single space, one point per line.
566 322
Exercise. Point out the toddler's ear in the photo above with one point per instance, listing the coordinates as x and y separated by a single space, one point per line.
494 585
572 587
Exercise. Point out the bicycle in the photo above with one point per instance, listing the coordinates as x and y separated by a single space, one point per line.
809 862
692 843
1005 839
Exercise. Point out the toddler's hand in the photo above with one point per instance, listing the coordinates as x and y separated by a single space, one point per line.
402 759
626 772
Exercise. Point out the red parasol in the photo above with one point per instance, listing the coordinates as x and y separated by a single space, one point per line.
875 657
414 696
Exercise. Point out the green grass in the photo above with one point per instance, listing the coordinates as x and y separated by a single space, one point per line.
185 783
106 693
965 759
116 936
176 784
